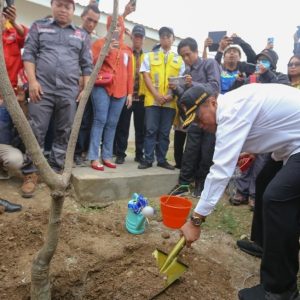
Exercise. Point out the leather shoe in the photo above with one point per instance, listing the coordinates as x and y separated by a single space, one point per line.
139 159
166 165
259 293
144 165
120 160
10 207
109 164
250 247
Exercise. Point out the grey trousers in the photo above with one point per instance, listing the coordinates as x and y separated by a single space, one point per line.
245 183
63 110
10 158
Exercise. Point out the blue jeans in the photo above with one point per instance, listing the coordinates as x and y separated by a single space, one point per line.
6 126
158 122
107 112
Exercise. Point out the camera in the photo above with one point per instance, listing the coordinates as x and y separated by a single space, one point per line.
247 68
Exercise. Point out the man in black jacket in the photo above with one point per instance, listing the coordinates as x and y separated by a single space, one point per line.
199 148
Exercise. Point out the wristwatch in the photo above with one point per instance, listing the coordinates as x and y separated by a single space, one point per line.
197 221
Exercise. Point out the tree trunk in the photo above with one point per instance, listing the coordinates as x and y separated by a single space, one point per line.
40 283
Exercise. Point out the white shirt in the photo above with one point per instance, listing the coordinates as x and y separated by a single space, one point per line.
255 118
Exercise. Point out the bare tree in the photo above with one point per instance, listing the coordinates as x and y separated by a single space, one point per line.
58 184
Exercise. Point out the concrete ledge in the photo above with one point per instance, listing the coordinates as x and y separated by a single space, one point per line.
102 187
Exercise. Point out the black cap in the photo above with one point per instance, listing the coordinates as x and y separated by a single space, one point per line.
165 30
191 99
138 30
271 55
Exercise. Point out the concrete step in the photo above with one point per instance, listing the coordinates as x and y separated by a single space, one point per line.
102 187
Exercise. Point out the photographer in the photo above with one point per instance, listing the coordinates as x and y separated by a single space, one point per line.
13 38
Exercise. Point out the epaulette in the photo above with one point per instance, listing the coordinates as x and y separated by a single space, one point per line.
44 21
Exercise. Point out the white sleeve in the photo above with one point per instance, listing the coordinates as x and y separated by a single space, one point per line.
232 132
145 66
182 69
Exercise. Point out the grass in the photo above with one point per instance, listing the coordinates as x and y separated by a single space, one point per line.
234 220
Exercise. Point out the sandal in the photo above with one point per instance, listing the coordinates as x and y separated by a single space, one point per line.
97 166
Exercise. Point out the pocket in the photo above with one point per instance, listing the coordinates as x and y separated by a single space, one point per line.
156 62
175 66
76 43
74 47
48 40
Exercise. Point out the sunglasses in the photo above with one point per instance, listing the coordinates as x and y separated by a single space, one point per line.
296 64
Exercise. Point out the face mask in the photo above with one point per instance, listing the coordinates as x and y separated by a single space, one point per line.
264 62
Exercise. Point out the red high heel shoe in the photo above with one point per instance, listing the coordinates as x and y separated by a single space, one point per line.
109 164
97 166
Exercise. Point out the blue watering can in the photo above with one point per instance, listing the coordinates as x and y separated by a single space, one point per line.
135 220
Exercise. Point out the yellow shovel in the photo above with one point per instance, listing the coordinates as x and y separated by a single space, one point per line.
168 263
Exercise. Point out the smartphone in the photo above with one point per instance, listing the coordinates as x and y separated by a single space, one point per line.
216 37
133 2
180 80
270 40
115 35
10 2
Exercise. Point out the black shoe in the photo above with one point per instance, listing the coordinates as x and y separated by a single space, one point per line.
255 293
259 293
139 159
144 165
179 189
78 160
198 190
250 248
166 165
120 160
10 207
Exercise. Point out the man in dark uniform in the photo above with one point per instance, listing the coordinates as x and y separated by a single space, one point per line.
56 53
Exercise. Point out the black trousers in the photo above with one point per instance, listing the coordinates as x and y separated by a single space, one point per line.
179 140
281 228
83 140
262 180
122 132
197 156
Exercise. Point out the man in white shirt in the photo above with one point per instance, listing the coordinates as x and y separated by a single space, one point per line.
257 119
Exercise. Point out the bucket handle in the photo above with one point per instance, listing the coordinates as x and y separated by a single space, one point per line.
182 185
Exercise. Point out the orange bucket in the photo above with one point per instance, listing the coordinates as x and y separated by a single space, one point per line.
174 210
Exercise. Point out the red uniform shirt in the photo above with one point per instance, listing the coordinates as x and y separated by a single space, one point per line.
12 45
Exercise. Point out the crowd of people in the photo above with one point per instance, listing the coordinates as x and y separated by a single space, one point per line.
162 89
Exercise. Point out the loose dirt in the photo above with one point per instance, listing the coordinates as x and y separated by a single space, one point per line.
98 259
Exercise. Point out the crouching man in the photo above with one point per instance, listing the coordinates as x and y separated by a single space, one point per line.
11 158
256 118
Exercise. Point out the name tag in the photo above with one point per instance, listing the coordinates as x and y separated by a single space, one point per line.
47 30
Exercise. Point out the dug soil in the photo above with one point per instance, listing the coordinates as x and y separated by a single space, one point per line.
98 259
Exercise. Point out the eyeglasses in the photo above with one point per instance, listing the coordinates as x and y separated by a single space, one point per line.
296 64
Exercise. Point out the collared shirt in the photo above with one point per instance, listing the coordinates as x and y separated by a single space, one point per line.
61 55
255 118
136 85
205 72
